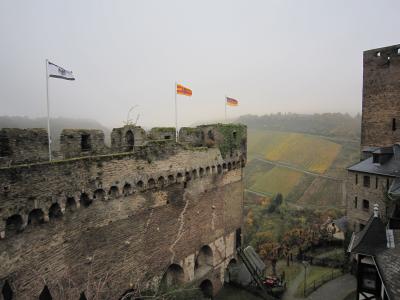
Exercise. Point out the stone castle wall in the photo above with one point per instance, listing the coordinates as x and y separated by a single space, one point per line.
123 221
381 94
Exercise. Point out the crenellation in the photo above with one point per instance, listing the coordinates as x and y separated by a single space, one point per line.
19 146
162 133
133 213
82 142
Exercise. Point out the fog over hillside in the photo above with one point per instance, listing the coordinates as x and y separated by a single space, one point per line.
57 125
327 124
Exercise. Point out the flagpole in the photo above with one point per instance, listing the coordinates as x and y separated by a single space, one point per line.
48 109
226 120
176 115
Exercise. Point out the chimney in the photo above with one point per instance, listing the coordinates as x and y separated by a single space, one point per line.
376 210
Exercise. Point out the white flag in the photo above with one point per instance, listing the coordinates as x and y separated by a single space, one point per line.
58 72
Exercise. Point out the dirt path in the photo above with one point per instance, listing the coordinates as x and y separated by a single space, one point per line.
289 294
336 289
289 166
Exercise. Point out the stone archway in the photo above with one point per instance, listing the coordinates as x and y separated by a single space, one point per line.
174 276
229 269
204 261
130 140
207 289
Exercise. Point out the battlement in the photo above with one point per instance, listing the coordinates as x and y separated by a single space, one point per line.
149 210
21 146
382 55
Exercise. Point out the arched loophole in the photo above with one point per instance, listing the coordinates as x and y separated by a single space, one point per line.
7 291
194 174
140 185
229 166
224 166
171 179
70 204
45 294
243 162
99 194
36 217
127 189
85 200
187 176
179 177
219 168
13 224
160 181
206 288
201 172
174 276
212 169
55 211
208 170
151 183
113 192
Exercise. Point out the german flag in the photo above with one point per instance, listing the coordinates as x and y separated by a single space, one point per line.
181 90
231 102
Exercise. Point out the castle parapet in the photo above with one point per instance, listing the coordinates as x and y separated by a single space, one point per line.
82 142
124 139
162 133
19 146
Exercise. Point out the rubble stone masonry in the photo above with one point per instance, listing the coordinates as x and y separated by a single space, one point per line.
381 97
106 224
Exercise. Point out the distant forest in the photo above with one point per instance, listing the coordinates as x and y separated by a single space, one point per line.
327 124
57 125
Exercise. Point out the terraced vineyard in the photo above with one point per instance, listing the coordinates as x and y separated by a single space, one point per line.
297 154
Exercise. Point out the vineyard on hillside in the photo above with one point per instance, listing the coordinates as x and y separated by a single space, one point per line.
295 153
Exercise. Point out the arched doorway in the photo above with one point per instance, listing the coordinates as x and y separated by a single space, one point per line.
206 288
130 140
204 262
174 276
229 270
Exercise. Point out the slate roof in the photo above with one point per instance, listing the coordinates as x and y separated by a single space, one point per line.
388 261
341 223
390 168
372 239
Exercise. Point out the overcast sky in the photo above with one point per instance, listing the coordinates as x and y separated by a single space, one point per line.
288 56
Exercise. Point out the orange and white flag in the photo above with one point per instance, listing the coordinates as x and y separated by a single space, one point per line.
231 102
181 90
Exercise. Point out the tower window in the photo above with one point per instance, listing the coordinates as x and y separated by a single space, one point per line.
355 202
393 124
356 178
376 182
